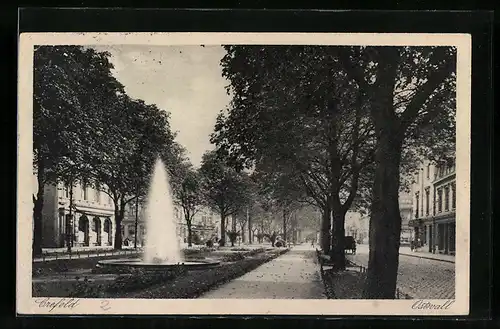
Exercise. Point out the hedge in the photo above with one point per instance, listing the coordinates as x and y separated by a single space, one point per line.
178 281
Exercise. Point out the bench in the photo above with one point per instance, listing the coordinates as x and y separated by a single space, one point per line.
324 261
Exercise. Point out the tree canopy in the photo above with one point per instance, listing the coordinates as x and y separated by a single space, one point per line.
226 191
339 124
73 87
412 92
87 129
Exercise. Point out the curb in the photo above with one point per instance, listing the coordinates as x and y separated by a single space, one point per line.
427 257
320 278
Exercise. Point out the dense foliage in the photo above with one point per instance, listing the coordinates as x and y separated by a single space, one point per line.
335 127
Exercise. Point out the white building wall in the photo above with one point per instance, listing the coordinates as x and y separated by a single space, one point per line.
423 206
89 203
92 204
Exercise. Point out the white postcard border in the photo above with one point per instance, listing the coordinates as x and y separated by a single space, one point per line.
26 304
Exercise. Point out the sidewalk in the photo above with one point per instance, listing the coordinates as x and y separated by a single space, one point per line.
294 275
427 255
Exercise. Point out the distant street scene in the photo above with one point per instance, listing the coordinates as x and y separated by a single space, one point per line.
244 171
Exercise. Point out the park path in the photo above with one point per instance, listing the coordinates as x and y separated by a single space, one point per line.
294 275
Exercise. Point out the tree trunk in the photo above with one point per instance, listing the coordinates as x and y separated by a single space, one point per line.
249 227
385 221
136 220
38 216
119 213
190 232
294 228
325 230
233 223
222 242
284 225
337 252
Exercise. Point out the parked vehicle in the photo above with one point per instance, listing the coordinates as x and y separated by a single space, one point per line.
350 244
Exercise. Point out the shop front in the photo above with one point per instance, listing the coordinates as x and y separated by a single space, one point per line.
440 236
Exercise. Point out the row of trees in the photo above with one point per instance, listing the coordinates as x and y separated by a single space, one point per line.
247 199
87 129
336 127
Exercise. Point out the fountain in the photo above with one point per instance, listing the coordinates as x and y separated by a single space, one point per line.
162 250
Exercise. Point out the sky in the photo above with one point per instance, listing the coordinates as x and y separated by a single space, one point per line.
183 80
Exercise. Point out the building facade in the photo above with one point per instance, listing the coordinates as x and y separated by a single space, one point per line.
434 203
357 225
354 226
203 225
406 211
93 223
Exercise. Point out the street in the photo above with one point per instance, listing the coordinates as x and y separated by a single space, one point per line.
418 277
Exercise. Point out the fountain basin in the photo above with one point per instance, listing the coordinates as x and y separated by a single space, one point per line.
141 264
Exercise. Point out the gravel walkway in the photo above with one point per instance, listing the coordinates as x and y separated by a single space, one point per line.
294 275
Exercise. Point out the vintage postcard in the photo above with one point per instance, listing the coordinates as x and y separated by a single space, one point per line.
243 173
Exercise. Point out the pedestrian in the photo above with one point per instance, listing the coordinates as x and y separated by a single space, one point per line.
312 243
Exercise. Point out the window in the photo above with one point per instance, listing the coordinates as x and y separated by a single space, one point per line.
446 198
453 197
97 193
84 191
107 225
450 166
417 205
66 190
428 170
434 203
427 201
133 207
440 200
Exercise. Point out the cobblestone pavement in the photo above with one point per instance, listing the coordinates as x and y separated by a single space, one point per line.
418 277
294 275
